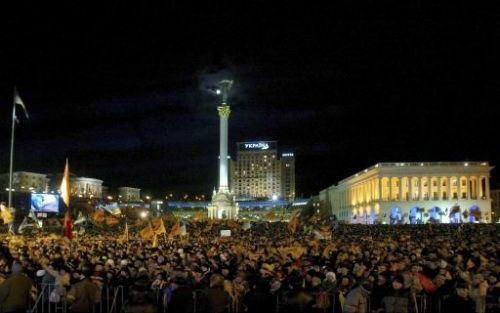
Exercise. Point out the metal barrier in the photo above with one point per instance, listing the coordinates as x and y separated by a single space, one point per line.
111 301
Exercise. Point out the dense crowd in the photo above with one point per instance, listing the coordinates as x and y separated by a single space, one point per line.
378 268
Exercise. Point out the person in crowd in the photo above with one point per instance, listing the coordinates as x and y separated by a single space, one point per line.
15 291
84 294
459 301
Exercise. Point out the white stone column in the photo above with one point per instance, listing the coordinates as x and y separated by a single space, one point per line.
439 188
224 112
400 188
487 187
479 186
379 187
468 188
390 188
449 188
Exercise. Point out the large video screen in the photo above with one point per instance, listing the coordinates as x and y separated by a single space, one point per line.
43 202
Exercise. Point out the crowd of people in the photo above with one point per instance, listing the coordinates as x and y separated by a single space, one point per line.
267 268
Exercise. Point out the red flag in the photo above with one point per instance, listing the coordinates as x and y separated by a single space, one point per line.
426 283
68 226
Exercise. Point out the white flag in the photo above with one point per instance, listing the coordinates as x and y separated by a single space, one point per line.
18 100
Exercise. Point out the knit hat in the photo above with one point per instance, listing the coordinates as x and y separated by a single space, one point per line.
17 267
399 279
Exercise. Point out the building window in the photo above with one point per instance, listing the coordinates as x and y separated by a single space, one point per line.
464 183
455 195
435 183
464 195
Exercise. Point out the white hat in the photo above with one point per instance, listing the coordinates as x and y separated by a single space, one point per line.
124 262
40 273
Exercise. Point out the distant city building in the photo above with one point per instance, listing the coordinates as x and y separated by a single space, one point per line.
129 194
495 204
413 193
25 181
86 187
81 187
257 171
288 175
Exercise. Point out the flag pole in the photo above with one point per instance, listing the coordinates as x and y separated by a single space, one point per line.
12 151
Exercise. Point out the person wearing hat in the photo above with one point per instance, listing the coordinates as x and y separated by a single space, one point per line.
15 291
459 301
398 298
84 294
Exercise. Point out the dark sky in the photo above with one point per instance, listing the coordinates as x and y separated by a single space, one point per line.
120 90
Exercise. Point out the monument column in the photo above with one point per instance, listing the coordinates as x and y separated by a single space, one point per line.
224 112
223 204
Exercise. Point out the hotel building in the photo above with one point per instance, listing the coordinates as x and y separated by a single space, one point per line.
257 171
405 192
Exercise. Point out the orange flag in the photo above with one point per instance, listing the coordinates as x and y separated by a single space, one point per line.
111 221
147 232
98 216
65 185
158 226
175 231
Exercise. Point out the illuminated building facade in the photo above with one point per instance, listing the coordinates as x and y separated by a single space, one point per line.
129 194
495 205
85 187
441 192
25 181
257 171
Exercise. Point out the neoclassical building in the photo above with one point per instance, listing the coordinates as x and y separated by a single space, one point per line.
413 193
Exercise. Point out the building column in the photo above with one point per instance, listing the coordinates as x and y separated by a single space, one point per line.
468 188
479 186
439 189
487 187
400 188
449 188
410 188
379 188
390 188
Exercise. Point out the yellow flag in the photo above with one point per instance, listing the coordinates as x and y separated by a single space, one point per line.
175 231
155 241
6 215
147 232
158 226
65 185
293 224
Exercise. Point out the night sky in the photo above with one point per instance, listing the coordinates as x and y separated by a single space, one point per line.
122 91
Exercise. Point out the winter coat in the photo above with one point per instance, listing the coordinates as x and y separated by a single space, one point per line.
84 295
357 300
15 293
397 302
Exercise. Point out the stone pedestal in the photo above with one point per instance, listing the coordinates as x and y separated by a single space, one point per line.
223 206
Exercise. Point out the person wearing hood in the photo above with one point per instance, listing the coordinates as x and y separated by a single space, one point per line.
357 299
15 291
